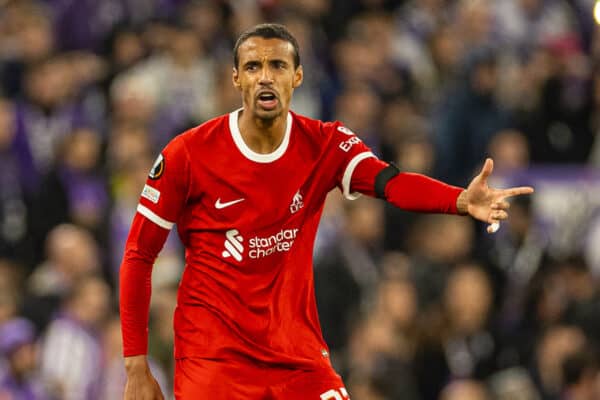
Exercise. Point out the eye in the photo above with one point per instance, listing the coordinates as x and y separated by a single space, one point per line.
251 67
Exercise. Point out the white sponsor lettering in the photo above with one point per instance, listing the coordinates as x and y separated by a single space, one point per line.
151 194
266 246
346 145
259 247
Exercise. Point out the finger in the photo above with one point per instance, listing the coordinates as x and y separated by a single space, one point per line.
498 215
516 191
487 169
501 205
493 228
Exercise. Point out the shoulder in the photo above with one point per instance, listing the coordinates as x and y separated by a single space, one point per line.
322 129
197 136
205 130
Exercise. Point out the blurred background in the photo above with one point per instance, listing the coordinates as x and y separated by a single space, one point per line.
414 306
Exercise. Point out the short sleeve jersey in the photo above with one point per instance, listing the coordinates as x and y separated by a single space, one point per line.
248 222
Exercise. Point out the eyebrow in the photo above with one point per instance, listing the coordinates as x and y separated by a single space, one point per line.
278 60
273 61
251 62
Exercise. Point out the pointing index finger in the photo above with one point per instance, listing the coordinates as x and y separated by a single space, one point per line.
516 191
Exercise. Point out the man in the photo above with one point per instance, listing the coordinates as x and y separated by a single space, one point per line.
18 355
246 191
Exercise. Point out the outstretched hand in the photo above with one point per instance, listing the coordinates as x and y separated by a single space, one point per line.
485 203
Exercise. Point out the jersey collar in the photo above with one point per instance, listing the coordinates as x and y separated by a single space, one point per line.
247 151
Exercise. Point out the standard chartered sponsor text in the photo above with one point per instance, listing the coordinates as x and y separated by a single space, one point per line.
265 246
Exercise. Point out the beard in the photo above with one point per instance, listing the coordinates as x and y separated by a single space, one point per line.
267 115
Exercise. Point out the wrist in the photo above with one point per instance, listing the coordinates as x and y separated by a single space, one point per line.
136 364
462 204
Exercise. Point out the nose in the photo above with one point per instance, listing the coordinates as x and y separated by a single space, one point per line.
265 77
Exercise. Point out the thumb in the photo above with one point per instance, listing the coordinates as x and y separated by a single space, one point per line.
487 169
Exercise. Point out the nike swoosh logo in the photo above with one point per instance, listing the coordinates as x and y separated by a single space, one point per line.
219 205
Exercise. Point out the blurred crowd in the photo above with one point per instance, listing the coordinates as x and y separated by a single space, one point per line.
413 306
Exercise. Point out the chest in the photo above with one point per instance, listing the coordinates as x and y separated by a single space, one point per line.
244 194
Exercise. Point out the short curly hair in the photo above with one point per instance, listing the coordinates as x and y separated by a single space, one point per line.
267 31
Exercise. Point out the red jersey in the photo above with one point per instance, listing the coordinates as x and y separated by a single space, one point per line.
248 222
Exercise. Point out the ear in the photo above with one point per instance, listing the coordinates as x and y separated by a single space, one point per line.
298 77
235 78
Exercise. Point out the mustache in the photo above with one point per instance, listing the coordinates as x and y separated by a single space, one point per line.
267 90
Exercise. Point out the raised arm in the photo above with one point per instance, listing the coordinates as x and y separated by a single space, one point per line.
420 193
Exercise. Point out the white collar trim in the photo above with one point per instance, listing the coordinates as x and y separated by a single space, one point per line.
247 151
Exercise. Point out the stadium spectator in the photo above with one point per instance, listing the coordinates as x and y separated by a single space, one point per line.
71 362
465 390
18 346
580 376
468 117
71 253
73 191
399 65
114 375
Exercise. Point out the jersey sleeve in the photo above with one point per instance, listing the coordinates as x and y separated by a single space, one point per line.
348 152
166 190
145 241
162 199
408 191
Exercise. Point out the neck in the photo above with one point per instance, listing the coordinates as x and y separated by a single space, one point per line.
260 135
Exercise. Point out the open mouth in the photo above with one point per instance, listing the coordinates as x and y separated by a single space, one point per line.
267 100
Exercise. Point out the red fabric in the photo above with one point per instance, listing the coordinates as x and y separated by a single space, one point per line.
199 378
363 178
172 185
408 191
416 192
248 224
143 245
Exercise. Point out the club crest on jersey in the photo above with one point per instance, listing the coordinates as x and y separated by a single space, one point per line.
158 168
297 203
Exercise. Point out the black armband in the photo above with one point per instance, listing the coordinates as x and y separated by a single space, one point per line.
383 177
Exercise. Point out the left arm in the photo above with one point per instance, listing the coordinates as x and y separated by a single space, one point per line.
416 192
